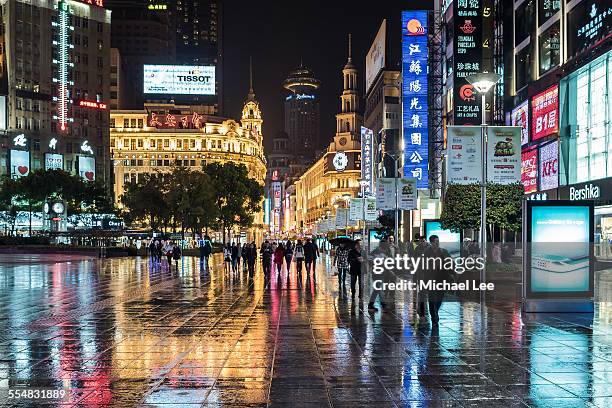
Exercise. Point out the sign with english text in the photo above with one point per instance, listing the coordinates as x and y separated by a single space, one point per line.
504 154
529 170
549 166
464 154
545 113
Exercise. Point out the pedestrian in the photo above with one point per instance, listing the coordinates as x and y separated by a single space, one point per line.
239 256
159 248
205 251
234 257
176 254
168 252
311 252
436 260
152 250
355 258
288 254
419 251
244 252
251 258
227 257
279 256
342 265
299 257
390 274
266 257
381 252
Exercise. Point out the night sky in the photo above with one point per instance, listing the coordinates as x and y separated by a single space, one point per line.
278 33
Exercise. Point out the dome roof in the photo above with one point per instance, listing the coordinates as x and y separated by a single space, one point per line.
300 79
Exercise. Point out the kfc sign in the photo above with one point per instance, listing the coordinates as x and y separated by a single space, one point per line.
549 166
529 170
545 113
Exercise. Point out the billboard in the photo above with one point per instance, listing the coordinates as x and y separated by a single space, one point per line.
371 212
464 154
529 170
504 154
520 117
87 168
558 258
179 79
548 167
19 164
545 113
375 58
414 96
406 194
451 241
367 160
54 161
385 193
589 22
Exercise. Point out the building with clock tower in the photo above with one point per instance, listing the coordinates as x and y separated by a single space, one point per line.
334 178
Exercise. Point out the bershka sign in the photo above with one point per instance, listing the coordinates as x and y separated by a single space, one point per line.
587 192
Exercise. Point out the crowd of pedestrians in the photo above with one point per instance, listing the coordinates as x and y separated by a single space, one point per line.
159 249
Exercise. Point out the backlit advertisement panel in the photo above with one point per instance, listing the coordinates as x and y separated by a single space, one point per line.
529 170
549 166
179 79
375 58
19 164
367 160
559 251
451 241
414 96
54 161
87 168
520 117
504 154
464 154
545 113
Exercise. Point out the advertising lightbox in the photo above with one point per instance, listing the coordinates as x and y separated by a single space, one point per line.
87 168
558 250
54 161
367 160
504 154
548 167
545 113
179 79
520 117
449 240
19 163
529 170
375 58
464 154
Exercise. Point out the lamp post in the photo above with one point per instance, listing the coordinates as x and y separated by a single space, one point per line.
363 184
483 82
395 159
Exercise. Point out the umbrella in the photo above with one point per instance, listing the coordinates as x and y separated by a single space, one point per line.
341 240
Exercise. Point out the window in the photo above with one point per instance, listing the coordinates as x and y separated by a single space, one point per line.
547 9
524 19
100 27
549 49
126 123
140 123
112 122
523 67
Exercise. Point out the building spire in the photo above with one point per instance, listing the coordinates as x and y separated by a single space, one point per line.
349 48
349 62
251 95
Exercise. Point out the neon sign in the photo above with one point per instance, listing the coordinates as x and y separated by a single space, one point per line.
99 3
63 83
93 105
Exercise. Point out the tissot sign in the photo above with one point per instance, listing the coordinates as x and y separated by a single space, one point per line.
179 79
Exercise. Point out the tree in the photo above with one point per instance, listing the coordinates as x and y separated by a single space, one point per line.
8 208
145 200
238 197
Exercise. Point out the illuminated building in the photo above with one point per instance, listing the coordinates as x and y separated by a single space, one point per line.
56 80
335 175
164 137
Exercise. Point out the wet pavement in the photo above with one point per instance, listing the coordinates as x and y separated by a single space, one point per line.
123 333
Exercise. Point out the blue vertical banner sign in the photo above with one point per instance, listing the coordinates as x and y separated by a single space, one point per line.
367 162
414 96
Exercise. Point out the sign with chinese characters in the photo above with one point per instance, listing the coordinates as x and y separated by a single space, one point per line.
407 193
589 22
529 170
371 212
86 148
549 166
414 96
464 154
87 168
93 105
356 209
504 154
171 121
20 140
54 161
19 164
99 3
342 217
375 58
545 113
547 9
520 117
367 162
385 193
473 27
276 195
179 79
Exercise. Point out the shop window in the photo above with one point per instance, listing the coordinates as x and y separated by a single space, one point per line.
549 49
547 9
524 19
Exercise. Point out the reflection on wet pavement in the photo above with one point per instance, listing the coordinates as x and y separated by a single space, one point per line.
122 333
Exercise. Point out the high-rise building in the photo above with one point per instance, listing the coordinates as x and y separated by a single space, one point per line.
302 114
55 82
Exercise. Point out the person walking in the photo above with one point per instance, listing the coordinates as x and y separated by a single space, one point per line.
205 251
227 257
381 252
279 256
244 252
266 257
251 258
355 259
311 252
288 254
176 254
437 259
168 252
152 250
342 264
239 256
159 249
298 254
419 251
234 256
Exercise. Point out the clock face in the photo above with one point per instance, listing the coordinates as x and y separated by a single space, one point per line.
340 161
58 208
342 141
46 208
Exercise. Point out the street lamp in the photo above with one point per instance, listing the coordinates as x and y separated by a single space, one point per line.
483 82
396 175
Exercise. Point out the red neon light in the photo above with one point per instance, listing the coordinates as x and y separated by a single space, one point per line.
99 3
93 104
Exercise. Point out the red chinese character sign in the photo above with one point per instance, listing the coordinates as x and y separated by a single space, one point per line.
545 113
529 170
170 121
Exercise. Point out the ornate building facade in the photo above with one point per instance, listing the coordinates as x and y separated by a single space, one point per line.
162 137
331 180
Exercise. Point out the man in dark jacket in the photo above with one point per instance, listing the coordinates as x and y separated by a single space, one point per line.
436 258
251 258
205 251
355 259
311 252
235 256
266 257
